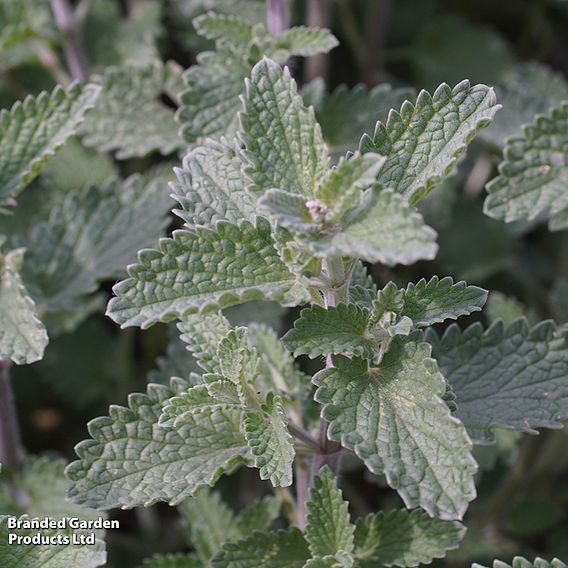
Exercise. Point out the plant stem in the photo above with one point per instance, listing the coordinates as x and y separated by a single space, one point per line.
275 17
72 49
318 17
303 482
11 451
303 435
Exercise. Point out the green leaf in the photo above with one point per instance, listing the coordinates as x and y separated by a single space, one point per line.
212 523
47 555
203 333
393 418
114 469
534 174
211 186
259 516
426 303
23 337
202 269
423 142
507 309
173 561
383 229
225 28
520 562
283 140
329 529
288 209
404 538
529 90
210 104
488 369
270 441
179 409
559 300
281 549
129 118
34 130
344 182
90 237
306 42
341 329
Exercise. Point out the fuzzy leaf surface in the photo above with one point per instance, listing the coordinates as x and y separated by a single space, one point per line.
281 549
328 529
129 119
533 176
47 556
423 141
426 303
394 419
23 336
33 131
131 461
488 369
270 441
283 141
404 538
211 187
200 269
384 229
340 329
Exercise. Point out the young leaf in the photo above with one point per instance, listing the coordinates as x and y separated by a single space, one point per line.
393 418
281 549
340 329
32 132
270 441
113 469
423 142
91 236
288 209
384 229
283 140
201 269
520 562
47 555
305 42
426 303
404 538
344 182
487 370
211 187
129 118
329 529
23 337
532 178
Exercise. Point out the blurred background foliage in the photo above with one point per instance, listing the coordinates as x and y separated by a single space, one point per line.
519 46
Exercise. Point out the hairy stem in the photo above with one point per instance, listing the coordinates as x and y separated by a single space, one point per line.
301 434
318 17
275 17
72 48
11 451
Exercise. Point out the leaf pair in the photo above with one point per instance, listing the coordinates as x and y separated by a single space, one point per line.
234 389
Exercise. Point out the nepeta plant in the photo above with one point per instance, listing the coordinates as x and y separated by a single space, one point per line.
274 209
267 216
